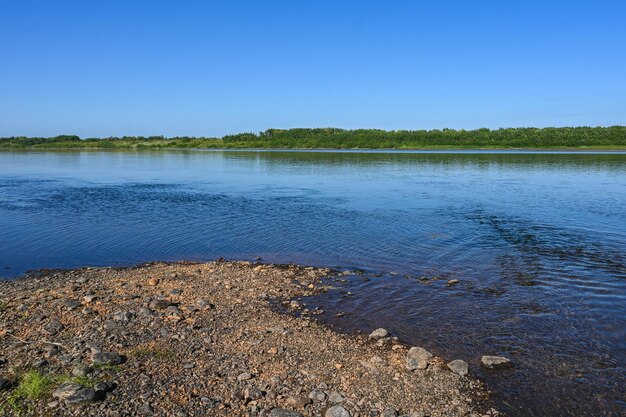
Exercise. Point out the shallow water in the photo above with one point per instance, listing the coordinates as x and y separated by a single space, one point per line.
538 242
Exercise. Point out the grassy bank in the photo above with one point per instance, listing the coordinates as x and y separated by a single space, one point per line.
330 138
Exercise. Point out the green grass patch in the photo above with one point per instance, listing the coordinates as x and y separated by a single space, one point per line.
32 386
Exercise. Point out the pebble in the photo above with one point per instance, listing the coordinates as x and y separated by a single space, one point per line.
244 376
335 397
337 411
459 367
89 298
452 282
82 370
106 358
379 333
493 362
389 412
298 401
317 395
281 412
153 281
53 327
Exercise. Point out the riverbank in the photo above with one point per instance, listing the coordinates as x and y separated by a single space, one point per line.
582 137
190 339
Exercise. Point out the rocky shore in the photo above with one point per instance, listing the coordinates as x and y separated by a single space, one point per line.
190 339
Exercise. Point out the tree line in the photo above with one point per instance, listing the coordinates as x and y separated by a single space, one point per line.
551 137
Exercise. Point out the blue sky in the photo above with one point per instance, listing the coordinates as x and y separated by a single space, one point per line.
100 68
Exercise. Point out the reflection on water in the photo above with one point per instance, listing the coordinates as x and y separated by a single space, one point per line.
538 242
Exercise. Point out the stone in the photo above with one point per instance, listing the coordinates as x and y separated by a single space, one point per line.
417 358
71 304
53 327
82 370
154 281
298 401
89 298
5 384
495 362
379 333
124 316
252 393
281 412
146 410
176 291
145 312
317 395
244 376
203 304
336 398
452 282
106 358
160 304
65 390
102 387
337 411
389 412
459 367
84 395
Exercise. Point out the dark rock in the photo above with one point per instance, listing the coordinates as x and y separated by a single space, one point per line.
160 304
82 370
72 304
53 327
65 390
389 412
84 395
5 384
106 358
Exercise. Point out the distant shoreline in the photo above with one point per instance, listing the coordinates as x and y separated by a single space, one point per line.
561 138
603 149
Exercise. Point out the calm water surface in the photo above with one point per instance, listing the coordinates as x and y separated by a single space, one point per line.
538 242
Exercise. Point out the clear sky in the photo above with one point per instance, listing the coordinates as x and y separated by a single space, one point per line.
100 68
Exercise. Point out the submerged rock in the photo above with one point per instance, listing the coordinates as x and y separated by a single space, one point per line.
495 362
379 333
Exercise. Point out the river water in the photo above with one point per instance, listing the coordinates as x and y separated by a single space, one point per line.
536 240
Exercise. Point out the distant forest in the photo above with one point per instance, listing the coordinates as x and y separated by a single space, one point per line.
332 138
